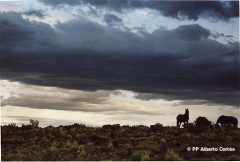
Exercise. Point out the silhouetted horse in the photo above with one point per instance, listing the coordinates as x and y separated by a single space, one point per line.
183 118
227 120
203 122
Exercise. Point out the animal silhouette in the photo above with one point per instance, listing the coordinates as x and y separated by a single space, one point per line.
203 122
183 118
34 122
227 120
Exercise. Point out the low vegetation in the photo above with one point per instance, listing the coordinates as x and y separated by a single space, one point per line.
115 142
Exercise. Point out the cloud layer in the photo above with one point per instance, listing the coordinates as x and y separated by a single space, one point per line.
37 13
175 9
100 101
183 63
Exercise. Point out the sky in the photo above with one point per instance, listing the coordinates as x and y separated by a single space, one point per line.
108 61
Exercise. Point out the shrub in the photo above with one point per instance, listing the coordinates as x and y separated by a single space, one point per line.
234 158
136 156
82 152
157 127
12 125
172 155
50 153
145 157
140 156
76 125
110 145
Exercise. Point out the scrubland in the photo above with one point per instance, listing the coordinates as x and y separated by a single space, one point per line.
115 142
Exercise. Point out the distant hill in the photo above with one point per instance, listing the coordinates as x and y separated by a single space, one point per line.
115 142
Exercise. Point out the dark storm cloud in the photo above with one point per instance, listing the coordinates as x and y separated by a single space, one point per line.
176 9
182 63
37 13
191 32
194 9
14 30
195 96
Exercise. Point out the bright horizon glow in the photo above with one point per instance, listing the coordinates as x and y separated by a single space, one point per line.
124 103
